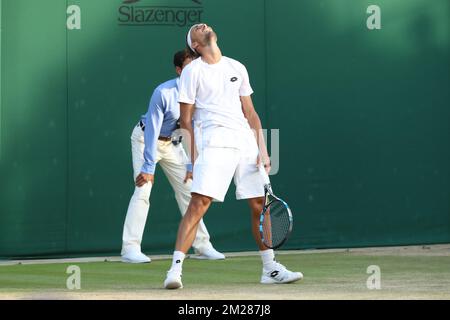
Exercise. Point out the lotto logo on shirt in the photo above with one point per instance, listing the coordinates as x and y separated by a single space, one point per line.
141 13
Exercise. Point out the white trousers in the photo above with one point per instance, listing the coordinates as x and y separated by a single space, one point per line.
172 160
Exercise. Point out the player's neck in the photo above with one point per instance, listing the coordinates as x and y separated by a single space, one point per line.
211 54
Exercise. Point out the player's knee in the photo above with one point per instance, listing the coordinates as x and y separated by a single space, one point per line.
199 202
256 204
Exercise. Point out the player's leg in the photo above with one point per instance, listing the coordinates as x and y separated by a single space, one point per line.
250 185
256 205
173 164
273 271
138 207
213 171
185 237
189 223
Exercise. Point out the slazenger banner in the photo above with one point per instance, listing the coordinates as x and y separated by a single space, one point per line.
144 13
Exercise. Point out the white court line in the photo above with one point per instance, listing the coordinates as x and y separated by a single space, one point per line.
422 249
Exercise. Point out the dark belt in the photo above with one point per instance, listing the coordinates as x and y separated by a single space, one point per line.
142 125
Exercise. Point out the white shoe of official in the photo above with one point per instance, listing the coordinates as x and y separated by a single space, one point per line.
278 273
135 257
173 280
209 253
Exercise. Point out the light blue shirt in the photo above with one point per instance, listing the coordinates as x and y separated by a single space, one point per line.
160 120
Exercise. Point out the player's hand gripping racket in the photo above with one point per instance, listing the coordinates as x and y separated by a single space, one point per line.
276 220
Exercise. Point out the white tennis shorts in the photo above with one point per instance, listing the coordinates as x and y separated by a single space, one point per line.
223 154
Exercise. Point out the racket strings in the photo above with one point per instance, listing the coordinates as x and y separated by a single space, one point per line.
276 224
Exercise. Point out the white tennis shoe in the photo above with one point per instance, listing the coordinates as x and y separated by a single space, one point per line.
277 273
134 256
209 253
173 280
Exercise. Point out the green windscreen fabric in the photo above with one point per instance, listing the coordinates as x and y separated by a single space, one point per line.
364 120
33 163
362 114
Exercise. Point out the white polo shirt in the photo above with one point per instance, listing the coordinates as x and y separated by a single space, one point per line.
225 143
215 89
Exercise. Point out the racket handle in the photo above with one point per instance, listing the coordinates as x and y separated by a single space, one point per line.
268 188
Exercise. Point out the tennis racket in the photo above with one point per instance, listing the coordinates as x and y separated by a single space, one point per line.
276 219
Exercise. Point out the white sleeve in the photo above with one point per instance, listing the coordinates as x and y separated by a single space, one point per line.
245 89
188 86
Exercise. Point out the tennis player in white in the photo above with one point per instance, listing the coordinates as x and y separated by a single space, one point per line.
151 144
215 91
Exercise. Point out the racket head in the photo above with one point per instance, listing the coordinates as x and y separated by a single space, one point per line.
275 223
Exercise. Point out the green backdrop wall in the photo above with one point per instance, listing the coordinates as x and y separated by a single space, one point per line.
363 118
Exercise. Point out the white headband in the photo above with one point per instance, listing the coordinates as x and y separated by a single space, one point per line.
188 38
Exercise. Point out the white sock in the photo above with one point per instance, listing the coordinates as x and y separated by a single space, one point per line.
268 257
177 261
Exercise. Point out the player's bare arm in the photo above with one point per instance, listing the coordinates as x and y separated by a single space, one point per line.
186 113
255 123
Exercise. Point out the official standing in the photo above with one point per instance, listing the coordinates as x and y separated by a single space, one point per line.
152 143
